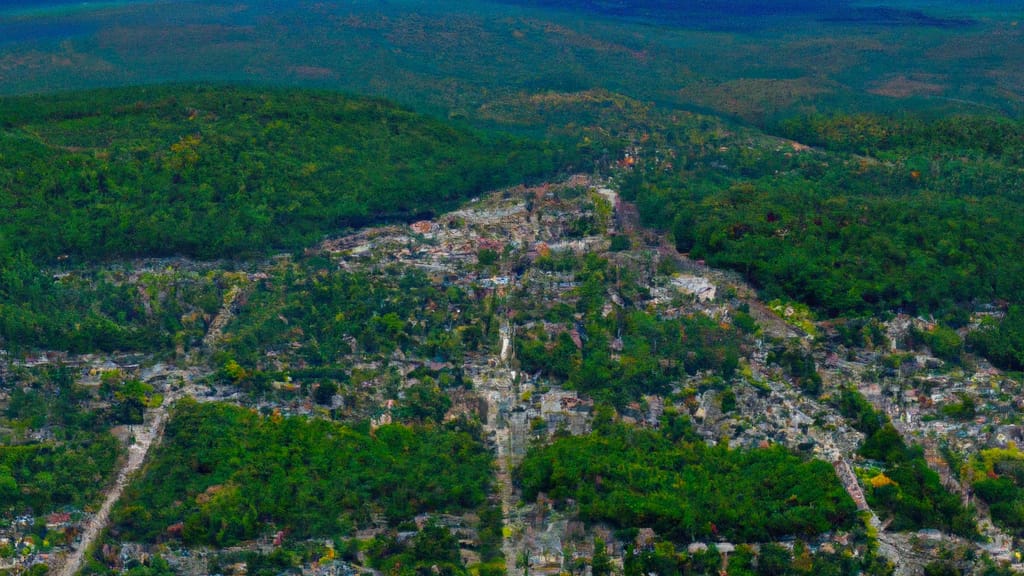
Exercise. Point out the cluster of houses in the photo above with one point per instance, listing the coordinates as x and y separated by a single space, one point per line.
27 540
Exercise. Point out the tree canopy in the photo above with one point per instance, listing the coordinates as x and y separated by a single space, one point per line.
686 490
212 171
227 474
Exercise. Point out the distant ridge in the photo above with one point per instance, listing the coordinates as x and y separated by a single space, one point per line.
746 14
885 16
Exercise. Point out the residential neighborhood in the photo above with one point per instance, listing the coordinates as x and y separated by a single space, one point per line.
499 249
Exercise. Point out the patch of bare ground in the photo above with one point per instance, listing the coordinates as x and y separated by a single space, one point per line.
752 98
903 86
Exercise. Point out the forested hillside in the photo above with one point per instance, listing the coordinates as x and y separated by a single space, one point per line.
85 310
215 171
894 213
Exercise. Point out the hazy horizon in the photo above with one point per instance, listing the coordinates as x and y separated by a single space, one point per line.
747 58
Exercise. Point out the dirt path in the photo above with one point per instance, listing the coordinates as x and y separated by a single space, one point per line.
224 316
150 435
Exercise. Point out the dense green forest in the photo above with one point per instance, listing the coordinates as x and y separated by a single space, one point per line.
72 461
225 171
87 310
471 59
1002 341
42 477
684 489
434 549
895 214
225 474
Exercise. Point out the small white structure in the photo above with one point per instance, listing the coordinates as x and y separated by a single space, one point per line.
696 286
